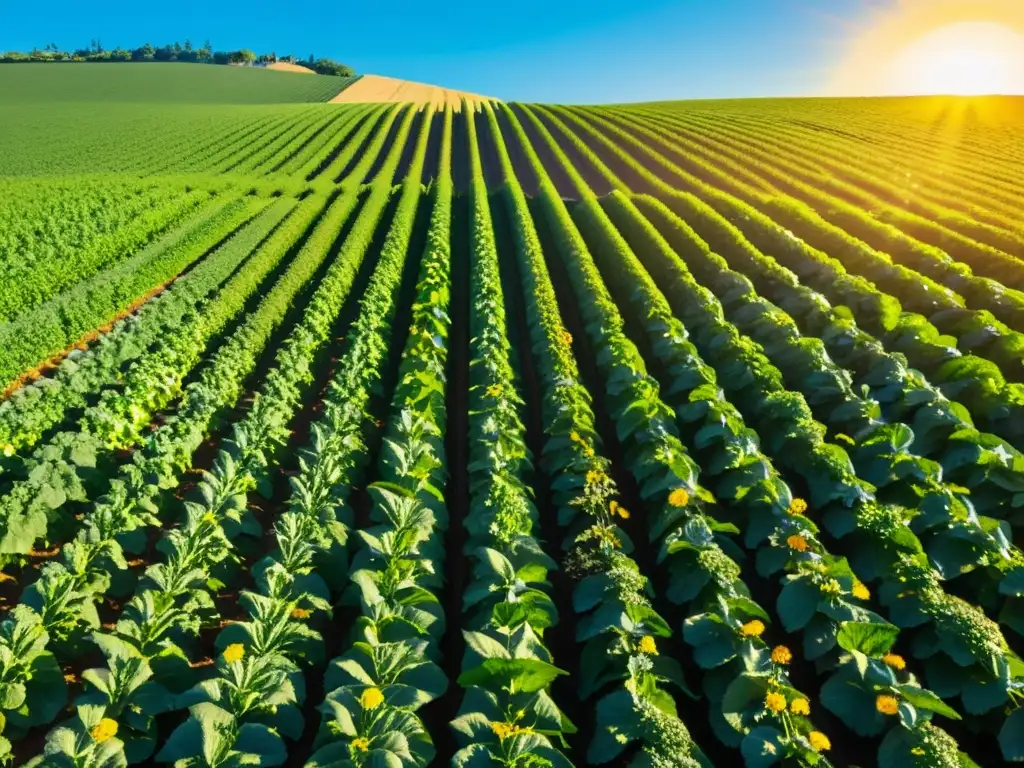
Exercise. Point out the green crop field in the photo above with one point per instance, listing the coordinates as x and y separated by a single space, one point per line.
678 434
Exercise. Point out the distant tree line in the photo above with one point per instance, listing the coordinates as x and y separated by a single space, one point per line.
173 52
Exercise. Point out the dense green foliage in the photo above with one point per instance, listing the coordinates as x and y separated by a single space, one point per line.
656 435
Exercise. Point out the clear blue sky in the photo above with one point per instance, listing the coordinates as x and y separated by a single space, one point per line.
527 50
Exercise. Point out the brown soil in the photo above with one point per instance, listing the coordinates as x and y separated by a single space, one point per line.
284 66
82 343
376 88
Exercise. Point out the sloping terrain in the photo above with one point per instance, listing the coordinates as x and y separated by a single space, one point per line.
157 82
376 88
287 66
679 434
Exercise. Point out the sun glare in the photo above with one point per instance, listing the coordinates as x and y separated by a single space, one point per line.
937 47
967 59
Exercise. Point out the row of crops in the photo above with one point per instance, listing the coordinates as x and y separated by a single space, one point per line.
529 436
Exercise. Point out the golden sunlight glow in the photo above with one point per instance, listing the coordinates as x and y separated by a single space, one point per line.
966 59
957 47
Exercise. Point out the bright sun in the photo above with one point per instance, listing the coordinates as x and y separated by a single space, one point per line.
966 59
961 47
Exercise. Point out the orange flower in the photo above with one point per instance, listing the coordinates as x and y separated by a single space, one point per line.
781 655
797 543
887 705
895 661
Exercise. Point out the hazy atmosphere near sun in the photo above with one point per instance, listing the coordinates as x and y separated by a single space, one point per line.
590 52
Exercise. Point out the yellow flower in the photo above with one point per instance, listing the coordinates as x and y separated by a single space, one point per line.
887 705
8 450
797 507
648 645
775 702
781 654
361 744
301 613
494 390
567 337
895 661
800 707
831 587
502 730
209 518
618 509
234 652
680 497
860 591
594 477
819 741
103 730
371 698
917 751
575 436
797 542
752 628
588 452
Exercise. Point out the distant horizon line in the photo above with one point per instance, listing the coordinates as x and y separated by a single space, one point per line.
832 97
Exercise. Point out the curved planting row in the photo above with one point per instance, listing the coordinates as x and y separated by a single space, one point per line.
791 542
60 471
56 235
955 201
61 604
820 467
176 597
388 668
974 380
905 237
51 328
616 622
676 504
507 713
38 407
863 190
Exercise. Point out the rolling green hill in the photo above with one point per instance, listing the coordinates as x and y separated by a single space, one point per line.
160 83
679 434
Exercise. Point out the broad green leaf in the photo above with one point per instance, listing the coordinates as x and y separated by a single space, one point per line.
521 675
870 638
